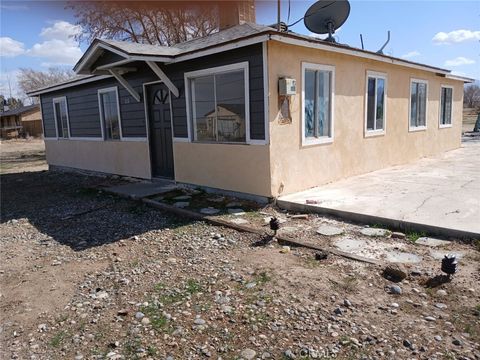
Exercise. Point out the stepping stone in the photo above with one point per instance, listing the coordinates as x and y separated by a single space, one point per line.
216 199
328 230
209 211
182 197
233 204
239 221
288 229
236 212
267 219
374 232
181 204
438 255
432 242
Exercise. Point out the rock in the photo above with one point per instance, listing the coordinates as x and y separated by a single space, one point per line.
289 354
395 272
321 255
347 303
441 293
328 230
248 354
374 232
251 285
457 342
101 295
227 309
209 211
199 321
56 263
338 311
395 289
407 343
42 327
285 249
236 211
398 235
432 242
78 357
430 318
171 261
394 305
139 315
122 312
181 204
145 321
437 338
216 199
440 306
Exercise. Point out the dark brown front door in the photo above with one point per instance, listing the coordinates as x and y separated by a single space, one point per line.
160 126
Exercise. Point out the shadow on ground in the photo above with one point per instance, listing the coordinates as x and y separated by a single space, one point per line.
67 208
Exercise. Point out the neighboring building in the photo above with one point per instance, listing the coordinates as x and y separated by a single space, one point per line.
208 111
24 121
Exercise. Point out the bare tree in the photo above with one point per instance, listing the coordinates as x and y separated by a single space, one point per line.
471 96
150 22
29 79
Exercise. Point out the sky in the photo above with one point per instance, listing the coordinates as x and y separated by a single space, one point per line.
39 34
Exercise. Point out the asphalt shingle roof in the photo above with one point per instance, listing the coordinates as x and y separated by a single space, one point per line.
20 110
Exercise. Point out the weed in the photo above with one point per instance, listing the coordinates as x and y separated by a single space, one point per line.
414 236
193 286
476 244
152 351
159 287
58 338
262 278
157 319
347 284
130 348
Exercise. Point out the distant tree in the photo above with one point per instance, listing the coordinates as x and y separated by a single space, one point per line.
150 22
471 96
29 79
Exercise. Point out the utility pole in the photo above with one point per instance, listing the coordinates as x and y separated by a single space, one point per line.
278 15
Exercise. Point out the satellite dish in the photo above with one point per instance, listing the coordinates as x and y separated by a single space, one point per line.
325 16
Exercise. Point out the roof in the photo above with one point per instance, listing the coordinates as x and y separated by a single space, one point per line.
21 110
236 36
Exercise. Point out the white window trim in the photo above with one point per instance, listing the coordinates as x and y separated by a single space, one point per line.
417 128
102 122
324 139
384 77
54 101
214 71
440 125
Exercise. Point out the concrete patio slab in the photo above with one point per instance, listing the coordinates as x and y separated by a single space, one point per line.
439 195
142 189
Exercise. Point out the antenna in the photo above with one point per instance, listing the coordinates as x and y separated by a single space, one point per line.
326 16
361 40
386 42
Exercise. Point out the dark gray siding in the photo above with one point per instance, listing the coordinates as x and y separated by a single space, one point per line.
252 54
82 100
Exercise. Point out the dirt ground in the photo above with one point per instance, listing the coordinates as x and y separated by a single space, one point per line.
22 155
87 275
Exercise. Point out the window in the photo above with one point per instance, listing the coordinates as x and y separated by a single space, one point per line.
418 105
375 103
317 98
218 104
110 113
60 113
446 95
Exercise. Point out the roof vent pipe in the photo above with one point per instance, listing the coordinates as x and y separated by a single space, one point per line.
383 47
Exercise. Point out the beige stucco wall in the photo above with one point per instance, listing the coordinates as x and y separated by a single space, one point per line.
240 168
295 168
128 158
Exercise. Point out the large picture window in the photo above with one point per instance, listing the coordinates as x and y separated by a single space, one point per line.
218 104
446 96
110 113
317 98
375 103
418 104
60 112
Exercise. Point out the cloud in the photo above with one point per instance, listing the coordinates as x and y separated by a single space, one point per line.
411 54
59 46
456 36
459 61
10 6
10 47
60 30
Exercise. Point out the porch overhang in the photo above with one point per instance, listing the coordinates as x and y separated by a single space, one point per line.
102 58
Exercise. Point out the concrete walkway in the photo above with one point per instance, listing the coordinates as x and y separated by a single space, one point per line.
438 195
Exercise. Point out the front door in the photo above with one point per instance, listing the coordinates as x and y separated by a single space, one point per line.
160 126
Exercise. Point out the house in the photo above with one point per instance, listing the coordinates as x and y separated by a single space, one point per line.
249 110
23 121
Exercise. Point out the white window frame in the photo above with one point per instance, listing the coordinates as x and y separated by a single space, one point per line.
324 139
384 77
215 71
440 125
58 100
102 122
417 128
